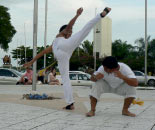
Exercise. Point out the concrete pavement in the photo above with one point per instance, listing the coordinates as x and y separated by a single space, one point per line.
21 114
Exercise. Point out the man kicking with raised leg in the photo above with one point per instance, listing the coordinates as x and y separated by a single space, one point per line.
63 46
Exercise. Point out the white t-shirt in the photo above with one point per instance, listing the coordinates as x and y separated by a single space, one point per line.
114 81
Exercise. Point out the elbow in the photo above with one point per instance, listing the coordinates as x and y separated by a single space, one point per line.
91 79
135 84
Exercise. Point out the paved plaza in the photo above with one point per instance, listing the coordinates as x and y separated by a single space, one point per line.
21 114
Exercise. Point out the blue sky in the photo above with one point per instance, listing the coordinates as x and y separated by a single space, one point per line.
127 19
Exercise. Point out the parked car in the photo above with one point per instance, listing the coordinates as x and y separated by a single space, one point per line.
141 78
78 78
9 76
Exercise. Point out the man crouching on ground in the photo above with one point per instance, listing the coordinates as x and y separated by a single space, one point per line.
113 77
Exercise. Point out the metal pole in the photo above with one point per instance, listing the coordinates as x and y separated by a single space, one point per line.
20 55
145 42
78 52
25 41
45 33
35 26
17 54
95 44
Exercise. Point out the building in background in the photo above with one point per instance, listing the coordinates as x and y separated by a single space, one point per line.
103 38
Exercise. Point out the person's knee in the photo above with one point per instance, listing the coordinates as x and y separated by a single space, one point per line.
22 80
96 85
131 92
129 98
127 91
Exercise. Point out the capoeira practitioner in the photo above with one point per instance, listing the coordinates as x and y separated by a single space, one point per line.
63 46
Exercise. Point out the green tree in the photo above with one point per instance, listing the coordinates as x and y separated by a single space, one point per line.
151 49
87 47
82 57
121 50
151 56
128 54
150 53
7 31
19 54
141 45
75 59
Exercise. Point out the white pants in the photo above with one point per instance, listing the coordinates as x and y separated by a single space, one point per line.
101 86
64 51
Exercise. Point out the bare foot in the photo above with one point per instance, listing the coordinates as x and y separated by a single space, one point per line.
90 114
104 13
127 113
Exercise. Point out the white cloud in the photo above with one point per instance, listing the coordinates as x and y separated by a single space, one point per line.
70 5
120 13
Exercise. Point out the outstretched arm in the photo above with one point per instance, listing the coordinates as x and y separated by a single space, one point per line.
71 23
46 51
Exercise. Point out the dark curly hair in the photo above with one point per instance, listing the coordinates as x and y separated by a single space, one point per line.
62 28
110 62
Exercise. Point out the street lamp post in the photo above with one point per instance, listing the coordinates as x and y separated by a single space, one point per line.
17 55
145 42
25 41
45 33
35 26
20 55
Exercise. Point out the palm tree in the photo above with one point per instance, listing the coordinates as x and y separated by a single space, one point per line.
7 31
